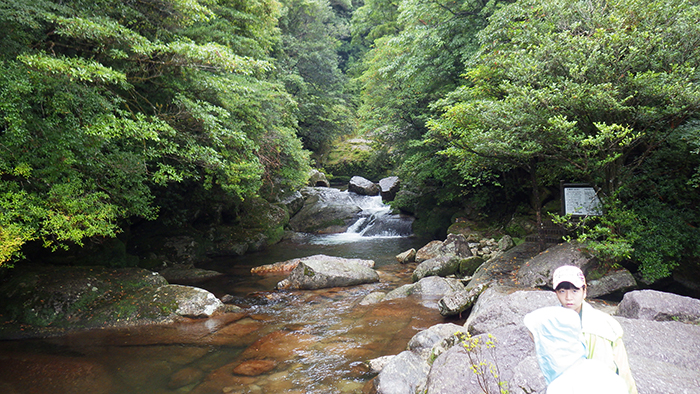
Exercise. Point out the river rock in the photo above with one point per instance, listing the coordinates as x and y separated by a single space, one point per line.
402 374
388 187
614 281
460 301
454 245
502 306
288 265
324 273
505 243
659 306
325 211
318 179
408 256
294 201
437 266
538 270
191 301
363 186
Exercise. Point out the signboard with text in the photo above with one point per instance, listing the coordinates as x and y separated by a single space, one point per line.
579 199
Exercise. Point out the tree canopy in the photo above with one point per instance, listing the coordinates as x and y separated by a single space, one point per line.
103 101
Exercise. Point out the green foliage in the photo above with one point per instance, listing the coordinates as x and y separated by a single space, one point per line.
103 103
487 372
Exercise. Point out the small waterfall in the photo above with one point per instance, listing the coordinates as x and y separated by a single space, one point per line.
375 220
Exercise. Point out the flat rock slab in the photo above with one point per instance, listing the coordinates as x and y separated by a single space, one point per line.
324 273
289 265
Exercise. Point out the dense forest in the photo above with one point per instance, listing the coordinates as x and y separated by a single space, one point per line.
115 112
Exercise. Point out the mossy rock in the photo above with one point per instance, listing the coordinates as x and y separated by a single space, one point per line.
468 266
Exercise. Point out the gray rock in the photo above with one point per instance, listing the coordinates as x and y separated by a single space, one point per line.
318 179
614 281
408 256
373 298
468 266
293 201
451 371
400 292
437 266
460 301
324 273
499 307
363 186
454 245
663 355
505 243
402 375
660 306
388 187
538 271
191 301
376 365
325 211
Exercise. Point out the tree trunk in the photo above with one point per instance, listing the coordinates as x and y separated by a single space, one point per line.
537 203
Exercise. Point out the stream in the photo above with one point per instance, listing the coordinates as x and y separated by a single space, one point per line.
282 342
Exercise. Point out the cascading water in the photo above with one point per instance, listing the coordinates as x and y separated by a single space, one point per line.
375 220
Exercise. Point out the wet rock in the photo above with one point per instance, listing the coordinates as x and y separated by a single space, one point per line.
325 211
187 274
454 245
255 367
185 377
377 364
373 298
363 186
408 256
324 273
289 265
191 301
388 187
659 306
318 179
437 266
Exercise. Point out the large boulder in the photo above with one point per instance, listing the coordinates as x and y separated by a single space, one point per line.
460 301
324 273
40 299
428 290
318 179
289 265
538 271
601 280
502 306
363 186
388 187
325 211
191 301
402 375
437 266
659 306
453 245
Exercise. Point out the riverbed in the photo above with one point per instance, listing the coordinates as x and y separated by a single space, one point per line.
281 342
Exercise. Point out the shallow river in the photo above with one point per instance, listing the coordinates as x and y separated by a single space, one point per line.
284 342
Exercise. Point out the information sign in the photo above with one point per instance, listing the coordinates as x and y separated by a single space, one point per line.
580 200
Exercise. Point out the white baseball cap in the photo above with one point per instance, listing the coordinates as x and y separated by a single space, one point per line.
568 273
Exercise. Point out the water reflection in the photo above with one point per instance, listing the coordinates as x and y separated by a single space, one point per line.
282 342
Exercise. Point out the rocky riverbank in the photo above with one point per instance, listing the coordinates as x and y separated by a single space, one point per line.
662 331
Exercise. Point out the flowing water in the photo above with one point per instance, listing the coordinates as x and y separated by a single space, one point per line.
282 342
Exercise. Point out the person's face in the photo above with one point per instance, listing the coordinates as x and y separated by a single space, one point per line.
571 298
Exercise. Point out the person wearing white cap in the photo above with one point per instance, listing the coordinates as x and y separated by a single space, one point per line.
602 335
561 355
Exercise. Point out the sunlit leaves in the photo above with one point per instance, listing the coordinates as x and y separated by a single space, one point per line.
75 68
